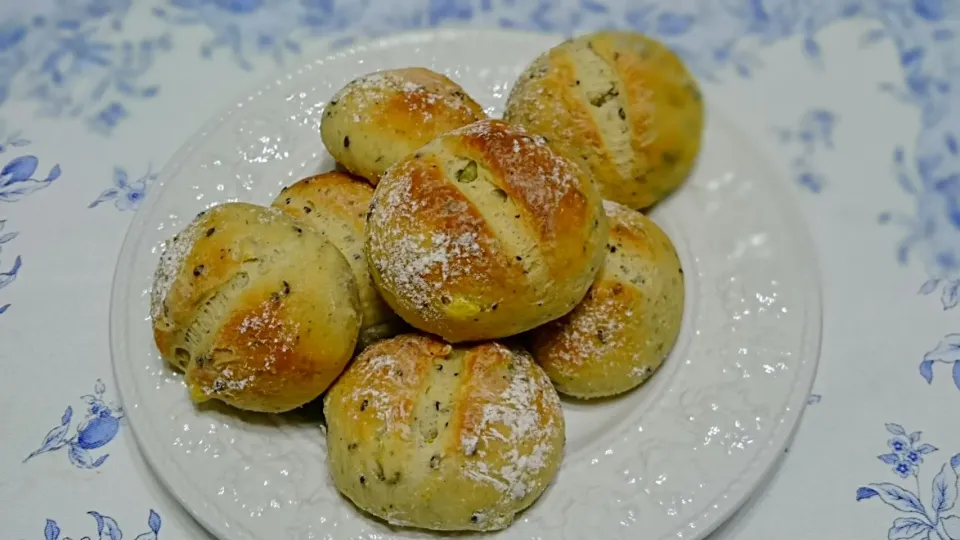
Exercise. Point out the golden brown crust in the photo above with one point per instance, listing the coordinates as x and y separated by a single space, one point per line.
484 233
258 310
620 104
340 195
381 117
335 204
545 187
425 434
629 321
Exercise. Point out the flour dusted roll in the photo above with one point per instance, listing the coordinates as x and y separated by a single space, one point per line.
335 205
425 434
484 233
625 327
620 104
256 308
383 116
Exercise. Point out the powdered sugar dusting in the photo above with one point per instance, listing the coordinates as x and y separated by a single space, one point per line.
417 266
425 262
174 252
512 424
591 334
382 391
618 212
227 381
269 335
370 90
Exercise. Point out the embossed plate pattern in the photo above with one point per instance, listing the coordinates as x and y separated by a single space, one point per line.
671 460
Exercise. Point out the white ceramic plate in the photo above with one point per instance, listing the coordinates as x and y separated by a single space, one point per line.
671 460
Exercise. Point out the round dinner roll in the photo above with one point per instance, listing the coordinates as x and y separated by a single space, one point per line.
620 104
335 205
256 308
381 117
484 233
425 434
625 327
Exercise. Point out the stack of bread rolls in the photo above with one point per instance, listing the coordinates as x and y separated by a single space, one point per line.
458 274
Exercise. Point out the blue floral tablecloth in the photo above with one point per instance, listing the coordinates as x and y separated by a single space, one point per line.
95 95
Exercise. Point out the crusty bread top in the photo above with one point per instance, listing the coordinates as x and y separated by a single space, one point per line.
415 94
485 410
335 194
259 310
221 227
619 103
484 207
379 118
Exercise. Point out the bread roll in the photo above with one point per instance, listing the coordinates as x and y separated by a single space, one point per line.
381 117
620 104
625 327
257 309
484 233
425 434
335 205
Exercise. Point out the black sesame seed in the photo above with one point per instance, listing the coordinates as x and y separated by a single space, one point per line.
198 270
474 518
210 231
622 113
613 249
307 209
346 142
363 479
286 288
436 405
363 406
288 200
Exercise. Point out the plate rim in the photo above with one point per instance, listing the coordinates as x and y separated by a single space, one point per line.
724 504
